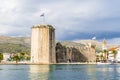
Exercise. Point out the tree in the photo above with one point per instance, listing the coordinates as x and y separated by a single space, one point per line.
27 58
97 58
1 57
105 54
22 56
16 58
101 57
115 53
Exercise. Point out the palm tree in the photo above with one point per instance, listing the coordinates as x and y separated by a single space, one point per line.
105 54
115 53
101 57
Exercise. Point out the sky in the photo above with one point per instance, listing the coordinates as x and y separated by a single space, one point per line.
72 19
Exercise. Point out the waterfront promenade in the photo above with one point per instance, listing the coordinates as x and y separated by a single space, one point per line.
29 63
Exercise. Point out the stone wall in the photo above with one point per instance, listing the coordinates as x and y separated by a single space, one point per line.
74 52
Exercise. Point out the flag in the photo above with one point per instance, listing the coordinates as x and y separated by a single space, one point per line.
42 15
93 38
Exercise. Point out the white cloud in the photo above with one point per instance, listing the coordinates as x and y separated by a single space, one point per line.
67 16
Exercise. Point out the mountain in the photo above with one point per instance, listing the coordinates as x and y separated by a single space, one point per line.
14 44
97 43
70 44
22 44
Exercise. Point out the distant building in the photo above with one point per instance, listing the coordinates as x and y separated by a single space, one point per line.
110 56
118 55
104 45
114 54
105 50
6 56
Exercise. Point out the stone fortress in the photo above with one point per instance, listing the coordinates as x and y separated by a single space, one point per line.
44 49
43 44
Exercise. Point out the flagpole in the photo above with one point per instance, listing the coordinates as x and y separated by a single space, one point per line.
43 18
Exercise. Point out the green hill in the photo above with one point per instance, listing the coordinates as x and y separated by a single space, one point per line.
14 44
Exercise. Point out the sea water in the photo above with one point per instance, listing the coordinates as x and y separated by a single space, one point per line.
60 72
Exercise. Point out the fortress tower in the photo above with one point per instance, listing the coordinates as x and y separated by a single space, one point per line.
43 44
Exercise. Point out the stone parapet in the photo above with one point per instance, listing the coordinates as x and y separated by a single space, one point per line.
44 26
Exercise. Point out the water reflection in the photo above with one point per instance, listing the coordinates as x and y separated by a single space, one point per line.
14 72
108 72
60 72
39 72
